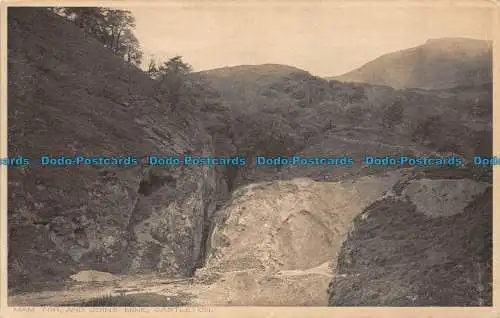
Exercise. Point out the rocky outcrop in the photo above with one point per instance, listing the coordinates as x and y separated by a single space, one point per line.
274 242
289 225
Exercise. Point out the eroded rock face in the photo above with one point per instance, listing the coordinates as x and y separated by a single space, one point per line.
274 242
289 225
173 219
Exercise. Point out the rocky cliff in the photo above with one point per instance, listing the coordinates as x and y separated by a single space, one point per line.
68 95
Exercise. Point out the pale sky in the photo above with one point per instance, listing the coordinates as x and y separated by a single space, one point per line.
322 39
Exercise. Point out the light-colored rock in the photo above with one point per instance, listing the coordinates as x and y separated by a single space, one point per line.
93 276
290 225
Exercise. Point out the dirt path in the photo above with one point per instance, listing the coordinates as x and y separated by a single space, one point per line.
282 289
323 270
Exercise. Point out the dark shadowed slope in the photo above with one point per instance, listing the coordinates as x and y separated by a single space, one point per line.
69 95
437 64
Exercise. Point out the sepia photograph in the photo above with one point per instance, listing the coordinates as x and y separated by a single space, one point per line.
281 153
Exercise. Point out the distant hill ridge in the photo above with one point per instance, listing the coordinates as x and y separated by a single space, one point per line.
437 64
260 68
234 82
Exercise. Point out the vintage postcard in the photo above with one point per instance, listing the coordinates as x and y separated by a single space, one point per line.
249 158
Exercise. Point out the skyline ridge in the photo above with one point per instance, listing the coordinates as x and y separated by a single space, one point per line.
428 41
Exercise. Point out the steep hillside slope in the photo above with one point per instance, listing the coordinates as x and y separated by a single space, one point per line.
437 64
428 243
68 95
